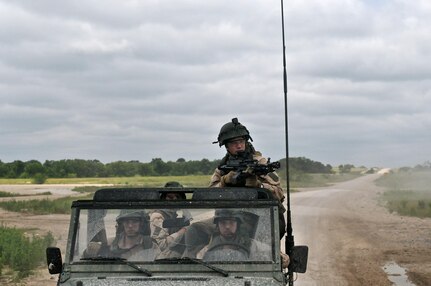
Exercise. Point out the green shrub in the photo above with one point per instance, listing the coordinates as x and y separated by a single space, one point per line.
7 194
39 178
44 206
21 253
86 189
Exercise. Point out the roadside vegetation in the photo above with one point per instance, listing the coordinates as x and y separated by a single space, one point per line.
408 191
20 254
8 194
42 206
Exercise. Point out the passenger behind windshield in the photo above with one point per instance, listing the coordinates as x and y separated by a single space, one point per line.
130 242
168 239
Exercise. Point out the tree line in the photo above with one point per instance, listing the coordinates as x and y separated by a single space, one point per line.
79 168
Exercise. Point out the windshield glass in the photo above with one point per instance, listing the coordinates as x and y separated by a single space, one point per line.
148 235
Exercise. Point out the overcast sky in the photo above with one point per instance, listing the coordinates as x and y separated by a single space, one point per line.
140 79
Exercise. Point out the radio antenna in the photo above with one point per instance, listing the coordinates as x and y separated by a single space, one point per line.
289 240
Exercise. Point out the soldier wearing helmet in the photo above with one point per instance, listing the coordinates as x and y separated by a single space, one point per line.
230 241
236 139
166 237
173 195
132 240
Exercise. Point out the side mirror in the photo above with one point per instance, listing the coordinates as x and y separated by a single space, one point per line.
298 259
53 259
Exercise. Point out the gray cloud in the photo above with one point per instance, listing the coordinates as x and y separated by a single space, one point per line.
136 80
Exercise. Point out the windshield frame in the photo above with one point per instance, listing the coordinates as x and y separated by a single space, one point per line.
77 206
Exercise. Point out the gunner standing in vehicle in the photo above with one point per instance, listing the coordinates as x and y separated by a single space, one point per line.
235 137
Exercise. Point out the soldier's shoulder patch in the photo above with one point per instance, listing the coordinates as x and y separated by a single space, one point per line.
274 176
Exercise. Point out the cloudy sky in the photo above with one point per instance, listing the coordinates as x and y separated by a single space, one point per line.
140 79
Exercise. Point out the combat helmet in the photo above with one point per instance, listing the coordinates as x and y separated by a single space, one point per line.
232 130
125 214
173 184
133 213
227 213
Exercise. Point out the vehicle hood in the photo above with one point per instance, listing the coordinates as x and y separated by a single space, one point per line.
170 281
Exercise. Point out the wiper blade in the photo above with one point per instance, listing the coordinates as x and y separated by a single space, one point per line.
121 260
103 258
197 261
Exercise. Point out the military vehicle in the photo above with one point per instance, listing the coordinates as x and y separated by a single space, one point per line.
99 252
97 224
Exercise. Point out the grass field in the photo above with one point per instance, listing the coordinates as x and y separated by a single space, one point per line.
159 181
300 180
408 193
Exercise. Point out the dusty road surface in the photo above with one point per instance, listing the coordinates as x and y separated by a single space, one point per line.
350 236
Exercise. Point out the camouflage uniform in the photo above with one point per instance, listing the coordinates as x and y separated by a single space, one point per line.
249 248
146 250
271 181
163 236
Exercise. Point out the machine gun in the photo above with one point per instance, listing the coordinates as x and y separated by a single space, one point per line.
247 167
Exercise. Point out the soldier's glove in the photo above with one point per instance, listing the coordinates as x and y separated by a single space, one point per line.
252 182
93 249
228 179
285 260
156 219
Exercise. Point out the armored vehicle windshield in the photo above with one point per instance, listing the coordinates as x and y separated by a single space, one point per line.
152 235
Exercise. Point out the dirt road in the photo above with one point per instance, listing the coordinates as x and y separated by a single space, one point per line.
350 236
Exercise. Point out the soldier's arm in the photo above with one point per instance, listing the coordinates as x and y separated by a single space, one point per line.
215 181
271 181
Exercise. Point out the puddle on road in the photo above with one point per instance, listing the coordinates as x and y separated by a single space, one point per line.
397 274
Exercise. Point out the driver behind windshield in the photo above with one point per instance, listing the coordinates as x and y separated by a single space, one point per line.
229 236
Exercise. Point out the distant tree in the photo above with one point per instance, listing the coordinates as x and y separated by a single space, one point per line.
3 169
208 167
15 169
424 166
309 166
160 167
33 167
146 169
345 168
181 160
122 169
